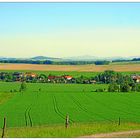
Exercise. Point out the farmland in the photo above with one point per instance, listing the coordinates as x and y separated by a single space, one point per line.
72 73
44 106
50 105
119 67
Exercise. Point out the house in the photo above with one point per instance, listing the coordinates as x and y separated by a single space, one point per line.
93 81
30 74
3 74
67 77
18 76
51 78
136 78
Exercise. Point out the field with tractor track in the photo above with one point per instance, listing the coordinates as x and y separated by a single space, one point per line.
51 104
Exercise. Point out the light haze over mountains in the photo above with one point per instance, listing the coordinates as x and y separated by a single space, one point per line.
74 58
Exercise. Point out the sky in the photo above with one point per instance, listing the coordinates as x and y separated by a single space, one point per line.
69 29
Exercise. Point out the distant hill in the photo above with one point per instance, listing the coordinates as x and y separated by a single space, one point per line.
94 58
44 58
82 58
73 58
7 58
136 59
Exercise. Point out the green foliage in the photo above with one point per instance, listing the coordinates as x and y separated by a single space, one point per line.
99 90
124 87
134 87
138 87
23 86
113 87
107 77
102 62
42 77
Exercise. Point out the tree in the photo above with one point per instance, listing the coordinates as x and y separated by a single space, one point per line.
23 86
125 87
42 77
133 87
113 87
138 87
99 90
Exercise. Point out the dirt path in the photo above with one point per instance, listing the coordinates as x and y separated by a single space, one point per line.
124 134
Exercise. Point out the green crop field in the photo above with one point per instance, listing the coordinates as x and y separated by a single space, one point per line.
72 73
58 73
50 105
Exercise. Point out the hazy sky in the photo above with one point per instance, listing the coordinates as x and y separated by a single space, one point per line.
69 29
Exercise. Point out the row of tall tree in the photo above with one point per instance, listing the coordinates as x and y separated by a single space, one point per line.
50 62
110 76
124 87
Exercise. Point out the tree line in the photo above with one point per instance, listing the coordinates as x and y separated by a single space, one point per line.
106 77
117 82
50 62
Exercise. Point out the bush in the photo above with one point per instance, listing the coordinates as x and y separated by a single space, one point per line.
100 90
23 86
125 87
113 88
14 90
133 87
138 87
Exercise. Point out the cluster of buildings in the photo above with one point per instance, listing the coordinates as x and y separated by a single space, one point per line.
29 76
136 78
18 76
67 77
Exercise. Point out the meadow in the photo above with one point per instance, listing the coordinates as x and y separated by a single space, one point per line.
80 101
74 131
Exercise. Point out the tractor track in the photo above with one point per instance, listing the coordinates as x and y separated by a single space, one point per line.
85 110
27 114
31 123
114 109
26 122
56 109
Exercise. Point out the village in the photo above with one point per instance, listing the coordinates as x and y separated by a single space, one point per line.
103 78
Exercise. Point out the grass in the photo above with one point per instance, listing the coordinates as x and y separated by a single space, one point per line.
72 73
89 112
58 73
50 105
4 97
75 130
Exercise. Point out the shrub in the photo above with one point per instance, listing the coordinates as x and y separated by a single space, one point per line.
23 86
124 87
100 90
113 88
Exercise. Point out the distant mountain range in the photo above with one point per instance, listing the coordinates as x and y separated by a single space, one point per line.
91 58
74 58
44 58
94 58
